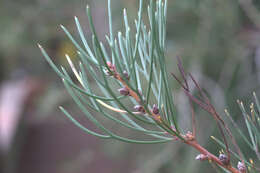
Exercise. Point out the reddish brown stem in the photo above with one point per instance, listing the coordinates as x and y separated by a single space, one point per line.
189 138
131 92
211 157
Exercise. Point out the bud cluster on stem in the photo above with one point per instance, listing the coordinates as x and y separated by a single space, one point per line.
188 138
148 52
127 91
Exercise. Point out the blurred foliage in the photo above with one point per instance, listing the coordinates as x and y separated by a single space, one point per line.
218 41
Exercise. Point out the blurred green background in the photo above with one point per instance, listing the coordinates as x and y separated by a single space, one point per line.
219 42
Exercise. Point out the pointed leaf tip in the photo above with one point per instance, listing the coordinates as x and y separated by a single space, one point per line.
39 46
62 27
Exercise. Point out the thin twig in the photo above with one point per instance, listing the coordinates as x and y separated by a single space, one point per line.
181 69
203 95
206 105
189 138
211 157
178 80
193 119
212 111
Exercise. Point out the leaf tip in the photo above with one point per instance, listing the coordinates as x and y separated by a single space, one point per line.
39 46
212 137
226 112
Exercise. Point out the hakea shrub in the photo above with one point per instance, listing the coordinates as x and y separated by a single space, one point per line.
135 70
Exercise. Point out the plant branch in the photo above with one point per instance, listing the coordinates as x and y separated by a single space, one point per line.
155 116
210 157
205 104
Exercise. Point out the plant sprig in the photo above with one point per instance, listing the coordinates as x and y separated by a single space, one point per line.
134 69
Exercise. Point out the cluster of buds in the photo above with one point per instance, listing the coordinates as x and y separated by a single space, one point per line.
224 159
111 67
241 167
124 91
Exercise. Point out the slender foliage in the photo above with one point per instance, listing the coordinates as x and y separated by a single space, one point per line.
134 69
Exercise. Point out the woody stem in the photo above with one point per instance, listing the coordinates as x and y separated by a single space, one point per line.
191 142
210 156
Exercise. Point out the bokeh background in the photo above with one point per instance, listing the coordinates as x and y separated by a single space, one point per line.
219 42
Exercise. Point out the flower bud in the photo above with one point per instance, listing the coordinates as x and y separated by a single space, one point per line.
189 136
124 91
224 159
139 108
201 157
241 167
155 109
126 75
111 67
